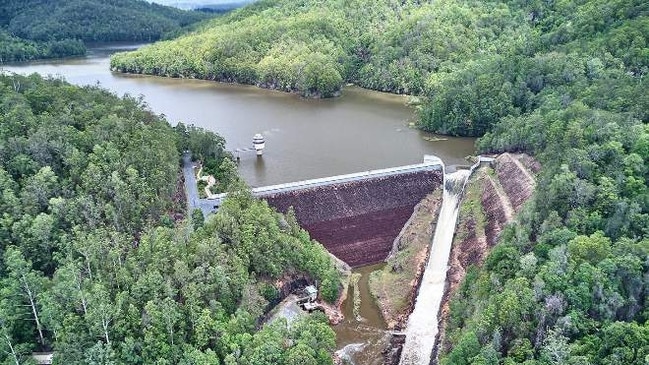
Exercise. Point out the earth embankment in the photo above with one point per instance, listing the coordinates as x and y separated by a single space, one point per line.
395 286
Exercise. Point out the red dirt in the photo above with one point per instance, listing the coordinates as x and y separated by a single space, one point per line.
471 247
358 221
494 207
529 162
517 182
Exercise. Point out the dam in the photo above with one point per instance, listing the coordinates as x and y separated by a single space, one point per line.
355 216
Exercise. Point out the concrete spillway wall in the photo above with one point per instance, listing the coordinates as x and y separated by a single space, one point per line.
358 219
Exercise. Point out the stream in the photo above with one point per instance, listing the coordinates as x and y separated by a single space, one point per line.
360 342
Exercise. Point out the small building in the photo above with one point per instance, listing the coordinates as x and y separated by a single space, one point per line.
311 292
43 358
310 307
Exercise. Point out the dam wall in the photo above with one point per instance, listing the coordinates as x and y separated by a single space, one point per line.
358 217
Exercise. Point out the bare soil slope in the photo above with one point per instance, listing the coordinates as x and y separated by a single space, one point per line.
492 198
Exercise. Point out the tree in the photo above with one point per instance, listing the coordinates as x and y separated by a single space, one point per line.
102 311
626 343
197 218
26 284
6 339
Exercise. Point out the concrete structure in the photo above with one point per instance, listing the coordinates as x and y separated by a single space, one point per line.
191 189
355 216
311 292
258 143
43 358
431 163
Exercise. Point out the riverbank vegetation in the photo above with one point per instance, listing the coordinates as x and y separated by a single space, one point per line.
563 81
33 29
314 47
94 265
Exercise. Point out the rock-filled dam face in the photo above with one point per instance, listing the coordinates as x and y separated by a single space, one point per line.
358 220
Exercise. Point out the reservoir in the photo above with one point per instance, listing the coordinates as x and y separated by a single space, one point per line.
305 139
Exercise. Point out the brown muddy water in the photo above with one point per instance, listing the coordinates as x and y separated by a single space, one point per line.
359 131
361 340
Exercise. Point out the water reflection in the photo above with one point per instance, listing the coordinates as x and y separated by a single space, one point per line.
260 168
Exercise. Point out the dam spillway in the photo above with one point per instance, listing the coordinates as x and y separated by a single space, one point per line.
422 326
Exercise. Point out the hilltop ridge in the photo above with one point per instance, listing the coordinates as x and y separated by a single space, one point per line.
34 29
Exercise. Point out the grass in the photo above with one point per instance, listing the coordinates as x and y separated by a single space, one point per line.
357 296
471 206
201 189
393 286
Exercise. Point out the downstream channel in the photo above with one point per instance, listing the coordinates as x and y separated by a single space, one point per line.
361 336
305 139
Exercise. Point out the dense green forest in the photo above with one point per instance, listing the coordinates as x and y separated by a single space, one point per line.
568 283
31 29
563 80
313 47
98 260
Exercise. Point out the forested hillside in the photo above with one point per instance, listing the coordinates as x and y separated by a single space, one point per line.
96 262
33 29
565 81
313 47
569 283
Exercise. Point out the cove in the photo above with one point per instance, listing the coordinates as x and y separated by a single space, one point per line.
305 139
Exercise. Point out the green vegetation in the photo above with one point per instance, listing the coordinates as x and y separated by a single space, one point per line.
18 49
356 296
92 265
394 286
31 29
564 81
568 283
313 47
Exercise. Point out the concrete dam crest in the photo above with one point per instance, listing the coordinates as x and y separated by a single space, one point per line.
357 218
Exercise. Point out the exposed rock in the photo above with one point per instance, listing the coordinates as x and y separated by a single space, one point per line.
392 353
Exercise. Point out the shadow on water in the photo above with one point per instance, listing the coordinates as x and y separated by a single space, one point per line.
361 340
260 168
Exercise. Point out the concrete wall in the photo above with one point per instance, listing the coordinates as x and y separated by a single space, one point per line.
358 220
